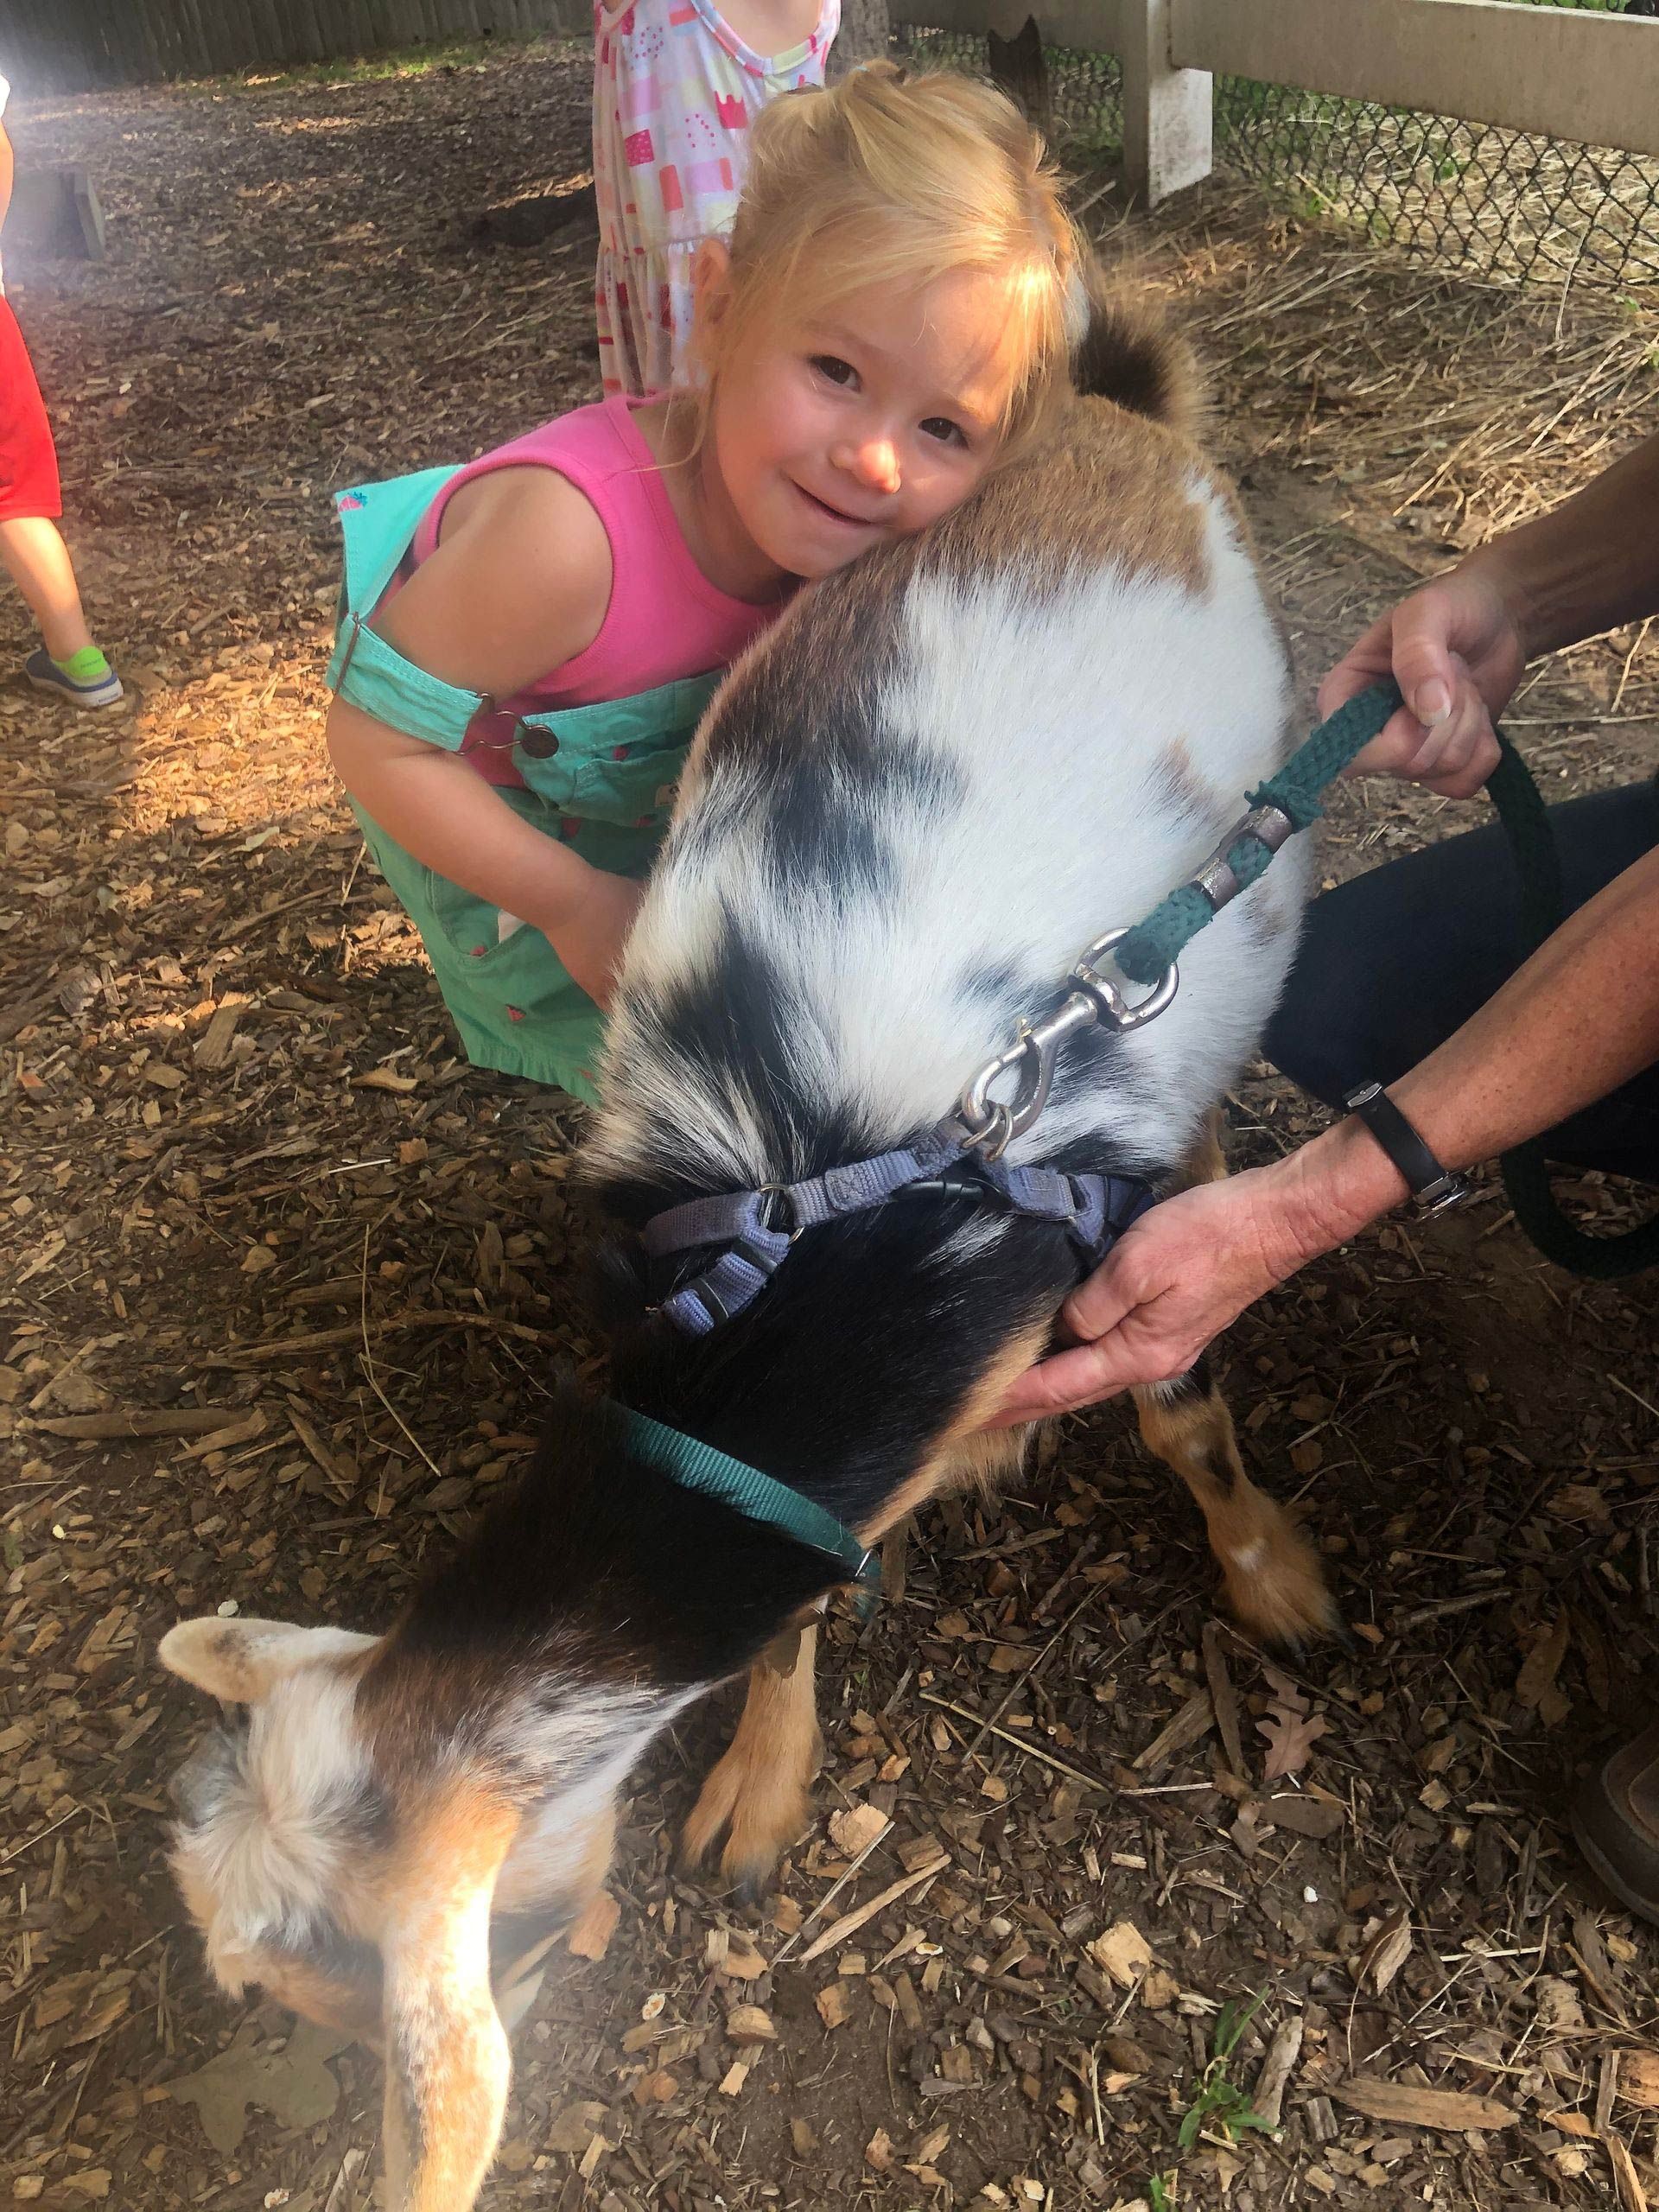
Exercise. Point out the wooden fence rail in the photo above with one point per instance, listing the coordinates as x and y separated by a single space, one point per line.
1560 73
80 44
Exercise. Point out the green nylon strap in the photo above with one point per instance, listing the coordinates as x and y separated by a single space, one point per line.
699 1467
1298 790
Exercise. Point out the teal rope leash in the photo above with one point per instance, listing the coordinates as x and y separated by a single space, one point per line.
1297 793
1293 800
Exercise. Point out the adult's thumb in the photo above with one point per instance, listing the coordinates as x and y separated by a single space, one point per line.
1423 666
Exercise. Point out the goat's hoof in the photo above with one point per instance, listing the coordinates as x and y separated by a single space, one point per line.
1276 1589
758 1812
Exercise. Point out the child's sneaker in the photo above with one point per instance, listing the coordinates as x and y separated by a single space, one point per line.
87 677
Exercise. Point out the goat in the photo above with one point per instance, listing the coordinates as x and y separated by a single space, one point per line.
942 772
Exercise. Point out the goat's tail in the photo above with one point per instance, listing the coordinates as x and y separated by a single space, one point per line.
1129 354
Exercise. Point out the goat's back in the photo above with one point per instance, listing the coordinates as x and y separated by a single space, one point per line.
915 800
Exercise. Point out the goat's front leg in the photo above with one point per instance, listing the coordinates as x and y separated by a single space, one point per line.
1271 1573
759 1794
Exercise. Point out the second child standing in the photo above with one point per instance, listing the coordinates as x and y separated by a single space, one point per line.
532 638
678 85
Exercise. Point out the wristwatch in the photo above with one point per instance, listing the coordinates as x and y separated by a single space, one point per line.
1436 1189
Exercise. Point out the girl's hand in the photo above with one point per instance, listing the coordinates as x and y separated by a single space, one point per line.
1176 1279
590 935
1455 650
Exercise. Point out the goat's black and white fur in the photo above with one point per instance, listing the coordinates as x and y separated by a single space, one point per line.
938 778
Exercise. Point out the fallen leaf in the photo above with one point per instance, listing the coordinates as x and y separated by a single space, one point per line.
1318 1817
573 2127
1290 1729
1542 1662
1291 1738
294 2084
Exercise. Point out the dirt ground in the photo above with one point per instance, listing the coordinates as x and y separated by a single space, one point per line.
284 1282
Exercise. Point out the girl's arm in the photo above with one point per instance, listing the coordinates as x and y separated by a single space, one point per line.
519 585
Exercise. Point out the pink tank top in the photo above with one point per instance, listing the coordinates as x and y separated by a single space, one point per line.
665 619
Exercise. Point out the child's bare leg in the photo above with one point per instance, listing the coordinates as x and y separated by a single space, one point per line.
38 563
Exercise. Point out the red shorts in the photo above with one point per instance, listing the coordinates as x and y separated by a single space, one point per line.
29 460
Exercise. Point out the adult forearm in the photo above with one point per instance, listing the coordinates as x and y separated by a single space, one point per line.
1580 1017
8 166
1589 564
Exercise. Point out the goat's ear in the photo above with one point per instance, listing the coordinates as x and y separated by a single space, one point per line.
239 1660
447 2059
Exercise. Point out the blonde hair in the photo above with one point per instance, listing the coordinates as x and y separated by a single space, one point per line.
889 177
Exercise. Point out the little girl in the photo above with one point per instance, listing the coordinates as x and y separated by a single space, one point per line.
677 85
893 317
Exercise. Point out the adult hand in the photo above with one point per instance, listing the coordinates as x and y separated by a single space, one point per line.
589 939
1455 650
1175 1280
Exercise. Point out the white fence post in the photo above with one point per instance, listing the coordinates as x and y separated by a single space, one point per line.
1167 111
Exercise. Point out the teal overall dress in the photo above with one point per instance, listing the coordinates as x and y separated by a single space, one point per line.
598 779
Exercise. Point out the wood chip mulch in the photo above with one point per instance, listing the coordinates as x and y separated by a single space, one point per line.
284 1282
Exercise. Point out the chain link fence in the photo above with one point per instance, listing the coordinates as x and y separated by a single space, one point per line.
1501 204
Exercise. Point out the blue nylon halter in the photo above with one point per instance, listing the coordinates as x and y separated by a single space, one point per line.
758 1227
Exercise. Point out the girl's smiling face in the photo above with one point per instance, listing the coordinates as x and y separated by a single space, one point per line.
864 423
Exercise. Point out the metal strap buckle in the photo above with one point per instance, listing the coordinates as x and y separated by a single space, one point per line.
1269 825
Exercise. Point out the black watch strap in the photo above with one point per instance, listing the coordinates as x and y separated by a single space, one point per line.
1435 1187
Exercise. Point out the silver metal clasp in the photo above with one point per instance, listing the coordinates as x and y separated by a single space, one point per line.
992 1123
1112 1006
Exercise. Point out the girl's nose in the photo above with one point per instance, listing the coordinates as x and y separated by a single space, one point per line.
872 461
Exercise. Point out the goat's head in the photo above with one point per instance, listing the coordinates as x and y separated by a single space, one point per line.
389 1854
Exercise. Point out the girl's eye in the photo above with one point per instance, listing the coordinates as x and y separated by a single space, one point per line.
947 432
837 370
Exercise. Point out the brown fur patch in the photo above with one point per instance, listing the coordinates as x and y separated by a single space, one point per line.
447 2060
1178 785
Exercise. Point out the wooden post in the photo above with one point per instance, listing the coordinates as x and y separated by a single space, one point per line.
1167 111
